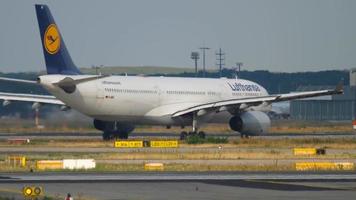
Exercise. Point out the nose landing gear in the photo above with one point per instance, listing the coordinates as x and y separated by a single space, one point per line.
201 134
184 135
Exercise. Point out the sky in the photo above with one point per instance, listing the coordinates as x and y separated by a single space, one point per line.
274 35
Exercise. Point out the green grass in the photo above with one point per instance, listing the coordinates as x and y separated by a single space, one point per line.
195 139
175 167
337 143
217 140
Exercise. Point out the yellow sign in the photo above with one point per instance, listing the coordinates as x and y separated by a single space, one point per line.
49 164
164 143
154 167
304 151
128 144
17 160
52 40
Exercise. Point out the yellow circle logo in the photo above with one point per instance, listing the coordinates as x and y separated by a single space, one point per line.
52 40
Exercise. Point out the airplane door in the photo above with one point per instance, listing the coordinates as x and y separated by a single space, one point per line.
100 94
225 91
159 95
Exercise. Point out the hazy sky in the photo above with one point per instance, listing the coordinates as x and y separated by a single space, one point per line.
275 35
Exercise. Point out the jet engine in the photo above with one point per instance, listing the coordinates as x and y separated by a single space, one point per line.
113 129
250 123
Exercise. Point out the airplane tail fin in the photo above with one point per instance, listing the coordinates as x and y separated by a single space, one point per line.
57 58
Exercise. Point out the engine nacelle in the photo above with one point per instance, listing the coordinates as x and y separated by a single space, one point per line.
251 123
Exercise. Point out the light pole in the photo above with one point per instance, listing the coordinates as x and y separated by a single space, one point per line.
220 57
203 49
195 57
239 65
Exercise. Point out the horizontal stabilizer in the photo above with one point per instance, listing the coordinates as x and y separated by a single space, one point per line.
18 80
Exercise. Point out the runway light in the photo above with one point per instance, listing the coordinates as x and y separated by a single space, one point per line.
32 191
37 191
27 191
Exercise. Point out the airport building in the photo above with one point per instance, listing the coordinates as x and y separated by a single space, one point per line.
335 107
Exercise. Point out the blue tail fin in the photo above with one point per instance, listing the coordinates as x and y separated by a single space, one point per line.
58 60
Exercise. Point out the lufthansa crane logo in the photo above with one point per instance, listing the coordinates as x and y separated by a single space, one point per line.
52 40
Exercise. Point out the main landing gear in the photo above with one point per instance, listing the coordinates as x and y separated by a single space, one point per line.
109 135
201 134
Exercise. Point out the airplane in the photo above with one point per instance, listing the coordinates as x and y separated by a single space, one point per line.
118 103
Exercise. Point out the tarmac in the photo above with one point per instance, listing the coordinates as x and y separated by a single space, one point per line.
168 135
212 185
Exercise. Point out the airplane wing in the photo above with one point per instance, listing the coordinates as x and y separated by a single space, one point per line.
243 103
46 99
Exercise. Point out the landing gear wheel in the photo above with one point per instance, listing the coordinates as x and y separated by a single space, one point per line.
123 135
201 134
183 135
191 133
106 136
244 136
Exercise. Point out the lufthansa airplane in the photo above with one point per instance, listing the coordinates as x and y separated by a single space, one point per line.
118 103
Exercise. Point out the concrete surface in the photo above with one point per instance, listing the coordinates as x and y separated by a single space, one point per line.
172 186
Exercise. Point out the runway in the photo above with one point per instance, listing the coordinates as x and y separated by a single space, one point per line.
173 176
168 135
174 186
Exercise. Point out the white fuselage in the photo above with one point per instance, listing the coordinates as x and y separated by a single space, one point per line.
149 100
